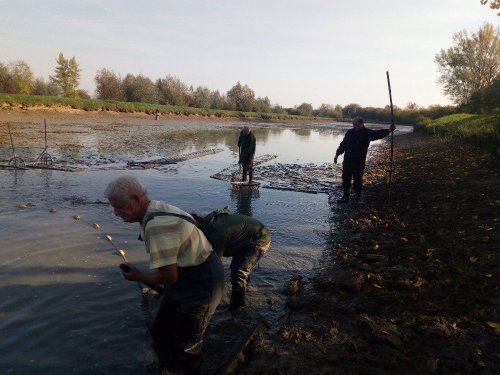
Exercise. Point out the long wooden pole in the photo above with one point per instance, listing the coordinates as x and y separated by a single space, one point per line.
45 123
392 135
11 141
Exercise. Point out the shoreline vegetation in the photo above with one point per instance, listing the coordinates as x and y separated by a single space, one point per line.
482 130
92 105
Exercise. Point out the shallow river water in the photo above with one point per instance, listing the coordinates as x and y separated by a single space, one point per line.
64 306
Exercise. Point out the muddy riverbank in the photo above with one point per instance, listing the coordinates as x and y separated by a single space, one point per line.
407 286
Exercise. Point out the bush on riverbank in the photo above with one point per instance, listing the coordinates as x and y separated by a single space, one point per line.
479 130
26 101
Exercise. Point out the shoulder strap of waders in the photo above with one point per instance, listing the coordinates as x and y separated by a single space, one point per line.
152 215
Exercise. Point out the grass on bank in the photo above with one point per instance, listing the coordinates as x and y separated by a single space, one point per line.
480 130
27 101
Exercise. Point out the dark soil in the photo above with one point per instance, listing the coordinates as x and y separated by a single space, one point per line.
408 286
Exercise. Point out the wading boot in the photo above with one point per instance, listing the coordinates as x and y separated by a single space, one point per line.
237 301
345 197
250 176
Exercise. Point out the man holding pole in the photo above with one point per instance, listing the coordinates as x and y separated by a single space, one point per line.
246 145
354 146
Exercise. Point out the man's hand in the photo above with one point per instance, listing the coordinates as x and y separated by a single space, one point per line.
129 272
335 159
392 127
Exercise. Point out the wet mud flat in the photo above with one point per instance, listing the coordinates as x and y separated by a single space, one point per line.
103 142
79 141
407 286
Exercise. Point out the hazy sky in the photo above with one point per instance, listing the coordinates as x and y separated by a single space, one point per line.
292 51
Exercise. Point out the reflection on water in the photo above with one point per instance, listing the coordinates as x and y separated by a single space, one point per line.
243 197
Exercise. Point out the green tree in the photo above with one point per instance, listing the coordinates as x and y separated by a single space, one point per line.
83 94
217 100
5 79
278 109
22 77
202 97
494 4
262 105
242 96
140 89
338 111
470 66
305 109
488 100
173 91
66 76
412 106
40 87
351 110
108 85
326 110
16 78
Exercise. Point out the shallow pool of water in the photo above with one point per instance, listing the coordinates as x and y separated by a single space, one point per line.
64 307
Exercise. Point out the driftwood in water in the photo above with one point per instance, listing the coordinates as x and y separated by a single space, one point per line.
55 168
291 188
7 166
171 160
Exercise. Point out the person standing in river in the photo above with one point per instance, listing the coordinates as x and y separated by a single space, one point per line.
354 146
246 145
181 258
241 237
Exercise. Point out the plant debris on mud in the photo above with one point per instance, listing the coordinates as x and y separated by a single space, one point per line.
409 285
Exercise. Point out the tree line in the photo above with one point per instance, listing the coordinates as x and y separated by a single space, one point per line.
469 73
18 78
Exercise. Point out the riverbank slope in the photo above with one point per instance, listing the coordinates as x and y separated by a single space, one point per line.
409 285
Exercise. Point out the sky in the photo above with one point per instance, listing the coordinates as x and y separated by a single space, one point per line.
292 51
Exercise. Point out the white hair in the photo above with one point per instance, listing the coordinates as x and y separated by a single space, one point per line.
124 187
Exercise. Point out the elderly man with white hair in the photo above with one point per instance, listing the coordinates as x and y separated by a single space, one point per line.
182 259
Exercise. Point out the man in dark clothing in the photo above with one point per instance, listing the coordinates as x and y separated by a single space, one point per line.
246 145
354 146
239 236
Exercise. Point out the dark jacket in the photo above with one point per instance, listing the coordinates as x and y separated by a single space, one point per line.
355 144
230 234
246 143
